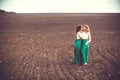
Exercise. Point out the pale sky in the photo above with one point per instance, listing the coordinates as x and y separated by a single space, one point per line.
61 6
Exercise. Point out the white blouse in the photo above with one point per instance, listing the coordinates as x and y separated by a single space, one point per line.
84 35
77 35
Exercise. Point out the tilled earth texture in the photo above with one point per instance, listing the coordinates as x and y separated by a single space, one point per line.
41 47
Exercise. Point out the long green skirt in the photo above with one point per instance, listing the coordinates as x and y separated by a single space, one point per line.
77 52
85 50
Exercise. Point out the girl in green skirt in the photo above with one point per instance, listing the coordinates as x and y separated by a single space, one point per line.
85 44
77 47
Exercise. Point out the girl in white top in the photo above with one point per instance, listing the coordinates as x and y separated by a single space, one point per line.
77 47
86 39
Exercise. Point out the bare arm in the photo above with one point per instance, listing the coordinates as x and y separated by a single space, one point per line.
89 38
79 34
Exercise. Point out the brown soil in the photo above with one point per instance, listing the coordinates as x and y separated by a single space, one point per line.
41 46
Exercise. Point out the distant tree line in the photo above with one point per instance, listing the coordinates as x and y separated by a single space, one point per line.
3 11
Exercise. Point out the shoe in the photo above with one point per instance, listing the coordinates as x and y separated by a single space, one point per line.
85 64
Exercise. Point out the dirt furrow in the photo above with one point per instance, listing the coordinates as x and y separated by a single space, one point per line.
56 65
102 54
112 53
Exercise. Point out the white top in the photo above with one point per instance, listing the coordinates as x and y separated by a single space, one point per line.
83 35
77 35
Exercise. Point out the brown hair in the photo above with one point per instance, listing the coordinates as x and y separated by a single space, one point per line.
78 28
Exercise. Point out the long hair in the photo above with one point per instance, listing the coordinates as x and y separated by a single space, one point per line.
78 28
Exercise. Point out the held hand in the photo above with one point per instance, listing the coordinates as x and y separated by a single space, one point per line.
86 43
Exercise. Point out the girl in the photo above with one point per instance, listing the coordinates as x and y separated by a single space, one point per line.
86 39
77 47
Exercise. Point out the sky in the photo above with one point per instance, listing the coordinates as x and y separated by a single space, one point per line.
61 6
